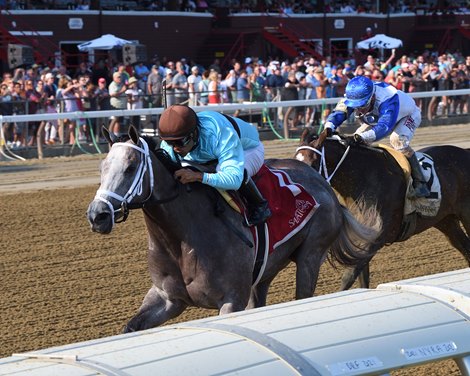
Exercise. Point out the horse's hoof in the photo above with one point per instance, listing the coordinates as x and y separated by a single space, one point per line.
127 329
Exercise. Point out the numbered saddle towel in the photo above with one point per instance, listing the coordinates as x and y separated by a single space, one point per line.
291 205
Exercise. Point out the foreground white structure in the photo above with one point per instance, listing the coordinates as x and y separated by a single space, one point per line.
396 325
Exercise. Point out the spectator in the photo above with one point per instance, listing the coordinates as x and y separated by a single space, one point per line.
69 95
214 89
118 101
51 128
89 103
243 89
141 72
180 84
169 98
391 78
231 85
121 68
186 67
321 88
102 102
290 92
154 87
333 80
311 93
370 64
203 88
19 75
343 81
18 96
202 6
82 70
193 86
6 108
134 100
257 85
216 66
100 71
33 106
369 51
274 83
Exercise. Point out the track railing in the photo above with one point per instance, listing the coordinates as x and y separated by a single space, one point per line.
229 108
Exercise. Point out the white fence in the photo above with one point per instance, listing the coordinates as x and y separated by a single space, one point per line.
246 108
358 332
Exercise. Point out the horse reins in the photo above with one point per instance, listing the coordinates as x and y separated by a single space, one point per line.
322 170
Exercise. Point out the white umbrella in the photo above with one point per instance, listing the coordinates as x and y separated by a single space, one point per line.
379 41
105 42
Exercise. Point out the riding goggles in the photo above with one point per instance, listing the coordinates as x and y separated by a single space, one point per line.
182 142
363 110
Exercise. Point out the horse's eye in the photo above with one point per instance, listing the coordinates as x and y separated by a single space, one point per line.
130 169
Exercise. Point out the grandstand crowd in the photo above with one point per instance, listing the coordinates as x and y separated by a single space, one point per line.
237 6
105 86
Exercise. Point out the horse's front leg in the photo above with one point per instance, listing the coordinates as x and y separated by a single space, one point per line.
259 294
155 310
236 300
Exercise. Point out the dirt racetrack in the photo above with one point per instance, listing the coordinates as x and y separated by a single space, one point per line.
61 283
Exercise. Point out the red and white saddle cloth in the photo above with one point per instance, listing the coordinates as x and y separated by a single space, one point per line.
291 205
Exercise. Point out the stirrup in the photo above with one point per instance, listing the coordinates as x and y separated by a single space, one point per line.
260 215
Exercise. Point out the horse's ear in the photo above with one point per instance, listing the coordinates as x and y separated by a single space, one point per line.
304 137
318 141
133 134
106 134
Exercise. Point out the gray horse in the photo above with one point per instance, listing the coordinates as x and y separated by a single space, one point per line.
196 258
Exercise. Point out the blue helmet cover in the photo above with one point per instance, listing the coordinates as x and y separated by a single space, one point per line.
358 92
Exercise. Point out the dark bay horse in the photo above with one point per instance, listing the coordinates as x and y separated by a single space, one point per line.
372 175
197 259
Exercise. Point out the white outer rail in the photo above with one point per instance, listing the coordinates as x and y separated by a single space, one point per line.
358 332
221 107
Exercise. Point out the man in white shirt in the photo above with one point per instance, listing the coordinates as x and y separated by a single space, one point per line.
193 86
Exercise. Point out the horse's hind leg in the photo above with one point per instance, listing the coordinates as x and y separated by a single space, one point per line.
350 275
364 277
154 311
450 227
308 262
465 216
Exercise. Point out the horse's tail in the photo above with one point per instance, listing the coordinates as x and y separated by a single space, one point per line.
361 227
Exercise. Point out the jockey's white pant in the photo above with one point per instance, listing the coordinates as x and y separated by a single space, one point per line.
403 132
254 159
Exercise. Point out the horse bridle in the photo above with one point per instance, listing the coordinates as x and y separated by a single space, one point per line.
136 187
322 169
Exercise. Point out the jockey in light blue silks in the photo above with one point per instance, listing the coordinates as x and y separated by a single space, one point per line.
382 110
208 136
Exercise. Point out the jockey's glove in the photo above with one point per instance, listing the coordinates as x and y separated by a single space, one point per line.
330 128
355 139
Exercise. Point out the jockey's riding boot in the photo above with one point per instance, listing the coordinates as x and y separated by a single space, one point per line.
419 182
257 206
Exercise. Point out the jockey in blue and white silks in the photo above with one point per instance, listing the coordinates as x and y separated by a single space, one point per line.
209 136
382 110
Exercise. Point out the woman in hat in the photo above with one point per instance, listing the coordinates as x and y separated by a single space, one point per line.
134 100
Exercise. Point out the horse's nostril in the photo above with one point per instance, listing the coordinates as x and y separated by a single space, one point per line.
101 217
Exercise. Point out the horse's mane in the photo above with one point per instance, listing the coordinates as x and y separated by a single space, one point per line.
153 143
